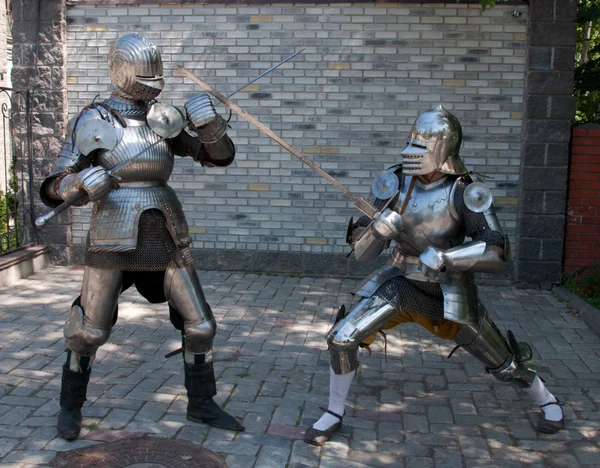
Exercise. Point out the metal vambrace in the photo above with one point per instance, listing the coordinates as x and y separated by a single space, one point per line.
386 225
486 343
81 338
475 256
369 245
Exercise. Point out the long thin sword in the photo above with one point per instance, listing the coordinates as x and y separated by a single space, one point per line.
359 202
78 196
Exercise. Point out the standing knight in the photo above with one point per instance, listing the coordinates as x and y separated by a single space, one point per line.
138 233
429 277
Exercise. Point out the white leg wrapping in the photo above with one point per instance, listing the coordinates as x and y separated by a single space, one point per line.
75 362
339 385
541 395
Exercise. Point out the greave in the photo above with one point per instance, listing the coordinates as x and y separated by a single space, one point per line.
72 396
201 387
506 361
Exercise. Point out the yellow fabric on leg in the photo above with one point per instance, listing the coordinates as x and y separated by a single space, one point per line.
446 329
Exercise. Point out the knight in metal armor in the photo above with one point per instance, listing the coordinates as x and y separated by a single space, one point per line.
121 153
428 205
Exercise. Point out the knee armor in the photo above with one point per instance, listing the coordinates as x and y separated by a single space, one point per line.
506 361
345 336
198 338
82 338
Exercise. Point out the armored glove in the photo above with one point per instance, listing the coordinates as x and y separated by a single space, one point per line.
201 113
94 180
431 262
388 224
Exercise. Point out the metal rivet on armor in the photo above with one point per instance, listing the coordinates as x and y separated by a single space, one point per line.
167 206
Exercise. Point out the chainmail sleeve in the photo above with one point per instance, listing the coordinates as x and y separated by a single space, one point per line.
476 226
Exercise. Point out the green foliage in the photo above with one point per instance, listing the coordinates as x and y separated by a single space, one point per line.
9 219
588 287
587 61
484 3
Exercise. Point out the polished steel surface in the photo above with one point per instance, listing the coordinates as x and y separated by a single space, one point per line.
478 198
184 293
485 342
367 317
433 144
135 68
115 218
427 219
385 185
369 245
155 164
465 256
165 120
88 327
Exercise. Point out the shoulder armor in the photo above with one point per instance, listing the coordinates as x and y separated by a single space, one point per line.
387 183
96 128
477 197
165 120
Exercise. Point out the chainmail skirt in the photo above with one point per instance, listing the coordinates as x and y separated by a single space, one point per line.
417 297
155 250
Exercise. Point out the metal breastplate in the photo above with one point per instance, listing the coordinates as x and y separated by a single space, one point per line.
428 220
115 218
156 164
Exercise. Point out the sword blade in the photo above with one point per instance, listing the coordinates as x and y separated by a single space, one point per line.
264 73
360 203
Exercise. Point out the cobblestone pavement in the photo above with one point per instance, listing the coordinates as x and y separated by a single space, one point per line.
416 410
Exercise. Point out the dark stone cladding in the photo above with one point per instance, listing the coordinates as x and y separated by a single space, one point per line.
39 28
549 110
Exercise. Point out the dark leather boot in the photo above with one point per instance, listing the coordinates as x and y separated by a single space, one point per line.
201 387
72 396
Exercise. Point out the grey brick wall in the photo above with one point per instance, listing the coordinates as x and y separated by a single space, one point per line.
347 102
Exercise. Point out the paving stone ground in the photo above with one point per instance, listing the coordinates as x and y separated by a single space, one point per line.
417 410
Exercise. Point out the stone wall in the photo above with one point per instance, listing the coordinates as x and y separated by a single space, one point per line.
39 61
582 243
347 102
5 66
550 108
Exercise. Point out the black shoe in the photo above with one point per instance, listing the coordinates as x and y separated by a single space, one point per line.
207 411
72 397
551 427
201 387
69 423
318 437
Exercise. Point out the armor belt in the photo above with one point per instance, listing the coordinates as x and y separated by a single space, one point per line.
155 250
458 289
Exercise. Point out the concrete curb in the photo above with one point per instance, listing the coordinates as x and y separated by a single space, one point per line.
589 314
22 263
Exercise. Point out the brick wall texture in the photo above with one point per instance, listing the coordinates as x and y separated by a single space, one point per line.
347 102
582 246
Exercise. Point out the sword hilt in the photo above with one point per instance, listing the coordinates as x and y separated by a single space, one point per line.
79 196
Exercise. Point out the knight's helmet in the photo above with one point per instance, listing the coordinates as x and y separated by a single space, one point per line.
135 68
433 144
